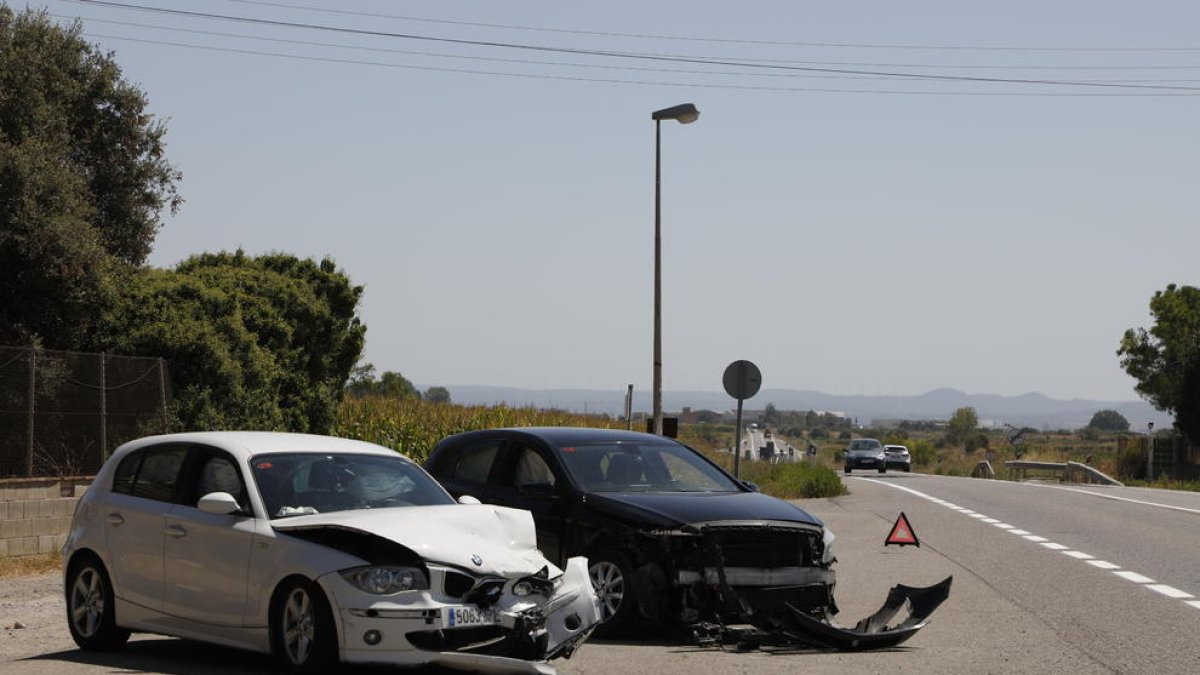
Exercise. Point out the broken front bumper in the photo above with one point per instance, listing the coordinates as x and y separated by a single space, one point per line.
515 635
792 627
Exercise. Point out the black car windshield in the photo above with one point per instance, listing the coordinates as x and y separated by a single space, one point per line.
653 467
299 484
865 444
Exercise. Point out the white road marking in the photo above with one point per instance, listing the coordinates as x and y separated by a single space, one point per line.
1170 591
1120 499
1162 589
1134 577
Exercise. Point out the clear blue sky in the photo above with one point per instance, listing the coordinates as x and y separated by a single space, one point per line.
874 243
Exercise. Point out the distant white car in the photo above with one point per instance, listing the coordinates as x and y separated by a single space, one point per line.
315 549
898 457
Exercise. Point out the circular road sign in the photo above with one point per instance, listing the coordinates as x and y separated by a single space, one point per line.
742 379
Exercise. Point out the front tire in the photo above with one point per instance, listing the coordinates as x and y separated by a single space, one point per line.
91 607
302 628
883 469
611 572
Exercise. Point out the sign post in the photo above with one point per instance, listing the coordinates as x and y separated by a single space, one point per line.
742 380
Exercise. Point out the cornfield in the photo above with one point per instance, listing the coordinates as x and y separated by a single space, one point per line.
411 426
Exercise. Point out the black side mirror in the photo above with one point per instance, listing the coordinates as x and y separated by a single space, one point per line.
753 487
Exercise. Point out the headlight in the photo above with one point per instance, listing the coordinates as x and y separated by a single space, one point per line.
531 585
828 538
386 579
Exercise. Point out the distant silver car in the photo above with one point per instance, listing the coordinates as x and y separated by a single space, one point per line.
898 457
317 550
865 453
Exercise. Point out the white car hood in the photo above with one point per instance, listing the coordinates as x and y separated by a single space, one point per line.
502 539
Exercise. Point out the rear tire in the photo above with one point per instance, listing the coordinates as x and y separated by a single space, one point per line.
611 572
883 469
302 628
847 469
91 606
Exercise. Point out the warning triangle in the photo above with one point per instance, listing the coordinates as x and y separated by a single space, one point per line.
902 533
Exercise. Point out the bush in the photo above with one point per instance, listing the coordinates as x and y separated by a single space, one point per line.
794 481
845 435
922 453
819 432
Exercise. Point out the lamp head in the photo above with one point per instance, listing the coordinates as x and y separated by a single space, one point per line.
685 113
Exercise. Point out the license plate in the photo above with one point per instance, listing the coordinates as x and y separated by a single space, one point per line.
453 617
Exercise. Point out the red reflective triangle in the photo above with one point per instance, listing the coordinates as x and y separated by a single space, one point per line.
902 533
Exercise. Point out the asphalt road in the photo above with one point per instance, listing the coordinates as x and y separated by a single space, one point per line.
1017 605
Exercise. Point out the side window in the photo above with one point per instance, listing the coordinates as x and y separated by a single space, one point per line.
126 473
159 473
531 468
474 463
219 473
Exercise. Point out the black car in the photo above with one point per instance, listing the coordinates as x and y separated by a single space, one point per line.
668 534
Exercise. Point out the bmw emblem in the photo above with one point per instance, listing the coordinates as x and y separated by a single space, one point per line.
476 559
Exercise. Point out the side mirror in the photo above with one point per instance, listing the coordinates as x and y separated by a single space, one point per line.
468 499
753 487
537 490
219 503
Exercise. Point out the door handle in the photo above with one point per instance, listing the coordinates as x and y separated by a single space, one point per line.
114 519
176 531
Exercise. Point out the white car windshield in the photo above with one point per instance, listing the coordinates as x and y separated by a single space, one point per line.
297 484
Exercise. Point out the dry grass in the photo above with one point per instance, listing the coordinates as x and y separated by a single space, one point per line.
30 565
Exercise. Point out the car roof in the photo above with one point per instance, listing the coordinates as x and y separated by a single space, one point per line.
244 444
567 436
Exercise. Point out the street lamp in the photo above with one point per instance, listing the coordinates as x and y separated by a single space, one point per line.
685 113
1150 453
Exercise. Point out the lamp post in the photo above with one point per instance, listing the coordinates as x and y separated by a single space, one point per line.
685 113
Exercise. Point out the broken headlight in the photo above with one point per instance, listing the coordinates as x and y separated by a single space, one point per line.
827 538
386 579
533 585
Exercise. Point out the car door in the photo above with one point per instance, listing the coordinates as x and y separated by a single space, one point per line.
528 478
208 555
467 469
145 489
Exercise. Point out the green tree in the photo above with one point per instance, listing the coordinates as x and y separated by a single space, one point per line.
391 384
437 395
1108 420
1165 360
962 425
253 343
83 180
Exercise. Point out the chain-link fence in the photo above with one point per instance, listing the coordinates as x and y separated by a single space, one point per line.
61 413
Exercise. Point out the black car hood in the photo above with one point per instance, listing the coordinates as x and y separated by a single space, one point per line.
668 509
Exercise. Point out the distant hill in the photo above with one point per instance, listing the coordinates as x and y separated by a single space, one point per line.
1032 409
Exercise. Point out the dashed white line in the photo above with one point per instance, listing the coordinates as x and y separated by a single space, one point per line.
1134 577
1147 582
1169 591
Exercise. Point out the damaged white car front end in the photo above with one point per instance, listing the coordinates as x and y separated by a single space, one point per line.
467 588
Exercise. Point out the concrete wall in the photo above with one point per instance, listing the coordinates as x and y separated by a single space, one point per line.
35 513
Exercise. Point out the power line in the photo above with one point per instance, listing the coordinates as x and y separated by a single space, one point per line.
630 82
685 38
626 55
580 65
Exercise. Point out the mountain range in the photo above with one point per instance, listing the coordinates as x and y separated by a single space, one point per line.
1031 410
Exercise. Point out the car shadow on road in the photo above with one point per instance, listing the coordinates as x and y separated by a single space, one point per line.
174 656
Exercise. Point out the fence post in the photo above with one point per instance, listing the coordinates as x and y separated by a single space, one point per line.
32 394
162 392
103 410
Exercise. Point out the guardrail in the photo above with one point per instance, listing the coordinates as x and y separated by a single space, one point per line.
1067 472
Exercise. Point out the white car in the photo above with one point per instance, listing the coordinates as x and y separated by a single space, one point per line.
317 550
